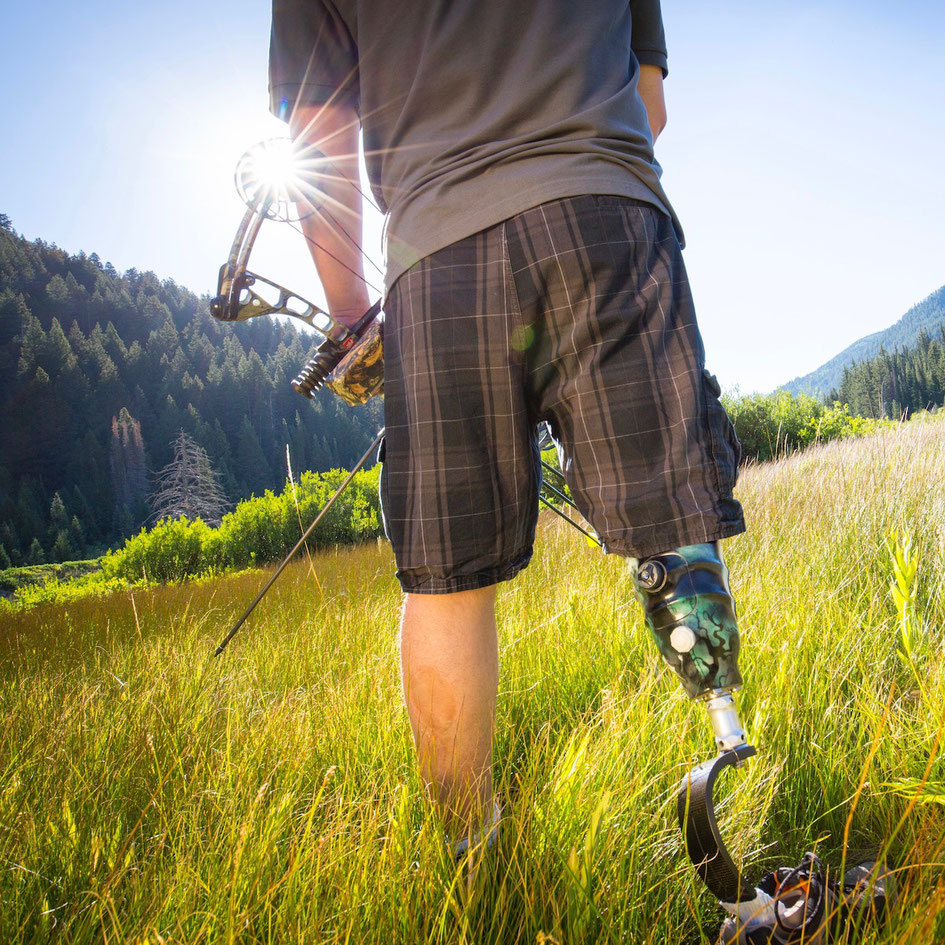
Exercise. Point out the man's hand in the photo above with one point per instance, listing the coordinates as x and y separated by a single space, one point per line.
650 86
336 227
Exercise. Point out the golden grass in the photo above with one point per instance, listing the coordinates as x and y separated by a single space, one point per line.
151 793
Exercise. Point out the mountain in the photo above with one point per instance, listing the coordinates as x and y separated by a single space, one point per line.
100 371
928 315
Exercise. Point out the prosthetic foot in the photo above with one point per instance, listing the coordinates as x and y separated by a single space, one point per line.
691 614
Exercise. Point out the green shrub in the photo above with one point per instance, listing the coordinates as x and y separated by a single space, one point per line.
171 551
836 422
257 531
773 425
61 591
12 579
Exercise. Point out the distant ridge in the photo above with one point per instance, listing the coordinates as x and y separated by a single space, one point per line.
929 314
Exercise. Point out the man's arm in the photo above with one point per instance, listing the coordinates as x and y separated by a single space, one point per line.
648 42
650 87
336 227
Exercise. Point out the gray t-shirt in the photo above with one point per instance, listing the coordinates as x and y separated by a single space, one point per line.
475 110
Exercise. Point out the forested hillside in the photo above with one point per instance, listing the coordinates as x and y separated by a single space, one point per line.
99 371
927 316
898 383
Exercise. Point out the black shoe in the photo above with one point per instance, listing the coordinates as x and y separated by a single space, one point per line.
805 905
868 890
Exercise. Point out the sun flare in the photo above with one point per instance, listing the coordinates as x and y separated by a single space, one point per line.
283 176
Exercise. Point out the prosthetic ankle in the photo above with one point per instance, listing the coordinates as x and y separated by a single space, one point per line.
691 614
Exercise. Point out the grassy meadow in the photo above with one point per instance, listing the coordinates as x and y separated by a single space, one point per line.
152 794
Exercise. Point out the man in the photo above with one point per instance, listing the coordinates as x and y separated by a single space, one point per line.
533 274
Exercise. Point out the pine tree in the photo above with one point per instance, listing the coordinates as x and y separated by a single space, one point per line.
251 465
188 486
58 517
128 469
32 340
62 548
36 554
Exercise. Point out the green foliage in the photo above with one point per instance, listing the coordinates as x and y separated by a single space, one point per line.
62 547
52 583
36 554
836 422
900 383
171 551
13 579
903 588
256 532
63 590
770 426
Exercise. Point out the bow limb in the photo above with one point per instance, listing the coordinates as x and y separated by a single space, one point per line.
231 280
243 294
238 297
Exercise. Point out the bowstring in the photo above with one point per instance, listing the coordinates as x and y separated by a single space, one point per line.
335 222
333 219
298 229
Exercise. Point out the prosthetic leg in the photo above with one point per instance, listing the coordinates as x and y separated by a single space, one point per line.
691 614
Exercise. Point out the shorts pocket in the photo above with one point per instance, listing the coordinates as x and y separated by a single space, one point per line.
724 445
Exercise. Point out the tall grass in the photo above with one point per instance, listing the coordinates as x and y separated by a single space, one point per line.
151 794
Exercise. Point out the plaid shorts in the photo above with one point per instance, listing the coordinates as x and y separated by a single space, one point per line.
578 313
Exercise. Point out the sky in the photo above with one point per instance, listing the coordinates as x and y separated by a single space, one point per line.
804 155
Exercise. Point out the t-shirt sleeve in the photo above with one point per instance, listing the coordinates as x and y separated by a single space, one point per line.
647 39
313 58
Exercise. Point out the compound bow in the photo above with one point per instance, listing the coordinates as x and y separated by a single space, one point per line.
243 294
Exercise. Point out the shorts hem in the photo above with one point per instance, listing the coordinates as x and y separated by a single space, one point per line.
660 542
420 581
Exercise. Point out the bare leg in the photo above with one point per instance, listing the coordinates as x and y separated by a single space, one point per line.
450 666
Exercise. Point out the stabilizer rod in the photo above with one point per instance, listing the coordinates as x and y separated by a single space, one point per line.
570 521
308 531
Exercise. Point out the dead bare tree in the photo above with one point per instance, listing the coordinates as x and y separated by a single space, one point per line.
188 485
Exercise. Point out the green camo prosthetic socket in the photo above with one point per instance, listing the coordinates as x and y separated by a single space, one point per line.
691 614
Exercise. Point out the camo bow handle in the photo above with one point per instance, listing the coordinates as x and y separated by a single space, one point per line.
359 375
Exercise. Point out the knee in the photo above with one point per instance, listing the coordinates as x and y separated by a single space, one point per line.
451 635
433 613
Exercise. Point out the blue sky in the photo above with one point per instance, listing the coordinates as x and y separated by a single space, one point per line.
804 154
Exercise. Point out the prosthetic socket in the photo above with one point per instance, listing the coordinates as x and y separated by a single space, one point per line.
691 614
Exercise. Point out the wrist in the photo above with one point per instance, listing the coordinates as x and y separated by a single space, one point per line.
349 315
